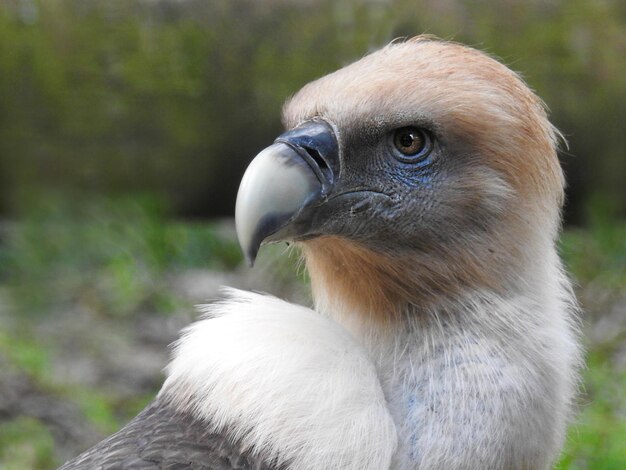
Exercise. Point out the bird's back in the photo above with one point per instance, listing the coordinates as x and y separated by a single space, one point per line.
163 438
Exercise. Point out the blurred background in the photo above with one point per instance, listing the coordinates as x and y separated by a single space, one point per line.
125 126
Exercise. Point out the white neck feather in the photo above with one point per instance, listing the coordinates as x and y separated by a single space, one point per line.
444 369
481 382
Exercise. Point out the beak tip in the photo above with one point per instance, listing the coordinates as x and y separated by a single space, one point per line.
250 252
250 259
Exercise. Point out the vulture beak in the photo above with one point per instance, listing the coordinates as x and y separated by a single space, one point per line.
282 184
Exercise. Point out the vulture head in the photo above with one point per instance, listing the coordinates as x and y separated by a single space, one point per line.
422 171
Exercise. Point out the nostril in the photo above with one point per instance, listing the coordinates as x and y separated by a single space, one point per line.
320 161
317 158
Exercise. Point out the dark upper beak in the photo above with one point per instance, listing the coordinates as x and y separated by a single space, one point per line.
294 174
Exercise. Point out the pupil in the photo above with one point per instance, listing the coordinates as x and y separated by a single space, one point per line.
406 140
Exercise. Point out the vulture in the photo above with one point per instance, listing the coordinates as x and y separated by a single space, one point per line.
422 185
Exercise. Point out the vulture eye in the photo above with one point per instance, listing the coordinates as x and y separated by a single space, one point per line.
412 144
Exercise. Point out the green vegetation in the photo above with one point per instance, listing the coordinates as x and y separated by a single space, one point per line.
597 254
596 441
26 443
175 97
597 259
111 254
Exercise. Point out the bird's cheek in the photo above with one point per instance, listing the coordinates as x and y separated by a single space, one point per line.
356 215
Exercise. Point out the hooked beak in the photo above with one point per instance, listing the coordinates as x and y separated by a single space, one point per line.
283 181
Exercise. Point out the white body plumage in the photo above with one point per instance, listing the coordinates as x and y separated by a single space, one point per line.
489 389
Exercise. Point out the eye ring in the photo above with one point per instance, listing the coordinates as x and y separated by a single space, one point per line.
411 144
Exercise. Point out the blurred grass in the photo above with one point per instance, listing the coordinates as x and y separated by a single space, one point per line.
110 253
596 254
26 443
174 96
596 257
597 439
114 255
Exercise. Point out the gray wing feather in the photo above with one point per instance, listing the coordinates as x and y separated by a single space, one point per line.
163 438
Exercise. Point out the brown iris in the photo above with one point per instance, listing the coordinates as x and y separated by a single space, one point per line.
410 141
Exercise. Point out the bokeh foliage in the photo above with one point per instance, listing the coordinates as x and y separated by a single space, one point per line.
110 255
176 96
